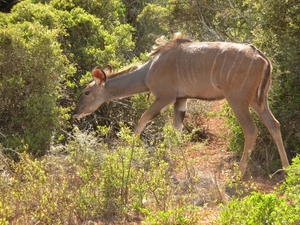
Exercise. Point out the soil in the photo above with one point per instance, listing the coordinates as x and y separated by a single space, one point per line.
216 158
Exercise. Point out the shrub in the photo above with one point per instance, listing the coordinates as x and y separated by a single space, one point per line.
257 208
38 191
236 141
280 207
31 69
88 180
40 47
291 191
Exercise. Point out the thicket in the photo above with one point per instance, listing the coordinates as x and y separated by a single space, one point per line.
47 50
118 33
87 180
44 53
32 68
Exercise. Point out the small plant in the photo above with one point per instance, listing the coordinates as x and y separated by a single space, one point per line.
180 215
291 191
237 137
257 208
5 214
37 191
280 207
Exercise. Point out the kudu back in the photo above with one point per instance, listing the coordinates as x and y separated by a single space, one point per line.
182 69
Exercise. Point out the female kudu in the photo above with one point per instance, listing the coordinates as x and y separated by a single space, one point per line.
182 69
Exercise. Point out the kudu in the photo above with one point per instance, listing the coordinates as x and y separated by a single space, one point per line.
182 69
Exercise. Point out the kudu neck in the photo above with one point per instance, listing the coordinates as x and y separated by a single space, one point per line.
128 84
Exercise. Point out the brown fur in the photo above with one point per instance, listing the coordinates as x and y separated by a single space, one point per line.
169 45
266 82
123 71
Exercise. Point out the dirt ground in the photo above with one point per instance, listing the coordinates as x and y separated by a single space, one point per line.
215 158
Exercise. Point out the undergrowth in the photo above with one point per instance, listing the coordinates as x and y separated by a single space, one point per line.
280 207
89 180
131 180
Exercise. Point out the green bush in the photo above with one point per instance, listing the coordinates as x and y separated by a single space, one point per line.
152 22
31 70
83 32
236 142
257 208
291 191
280 207
40 47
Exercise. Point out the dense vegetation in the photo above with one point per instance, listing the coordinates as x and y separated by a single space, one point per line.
47 50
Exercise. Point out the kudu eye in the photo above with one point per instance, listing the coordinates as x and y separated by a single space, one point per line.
87 92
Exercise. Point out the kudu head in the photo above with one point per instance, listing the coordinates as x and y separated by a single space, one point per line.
94 94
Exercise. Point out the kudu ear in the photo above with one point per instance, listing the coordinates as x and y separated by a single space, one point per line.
99 75
107 70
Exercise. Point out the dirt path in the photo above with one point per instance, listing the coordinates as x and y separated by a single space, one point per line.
216 158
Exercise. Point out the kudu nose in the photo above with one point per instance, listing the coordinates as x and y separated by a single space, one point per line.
75 114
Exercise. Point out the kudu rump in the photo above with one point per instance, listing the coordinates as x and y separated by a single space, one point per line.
182 69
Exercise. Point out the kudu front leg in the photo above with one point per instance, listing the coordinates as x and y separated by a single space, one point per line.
179 113
154 110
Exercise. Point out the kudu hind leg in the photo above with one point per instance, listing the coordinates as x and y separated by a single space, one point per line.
268 119
179 113
154 110
250 131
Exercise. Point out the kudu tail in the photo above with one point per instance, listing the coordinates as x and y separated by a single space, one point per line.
265 83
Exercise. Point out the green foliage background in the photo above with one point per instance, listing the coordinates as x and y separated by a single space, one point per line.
49 47
47 50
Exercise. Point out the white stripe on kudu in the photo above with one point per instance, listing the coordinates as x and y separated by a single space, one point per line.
193 79
212 68
239 64
223 64
248 71
233 64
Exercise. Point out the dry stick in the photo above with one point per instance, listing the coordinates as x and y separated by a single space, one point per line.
221 194
186 167
125 181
